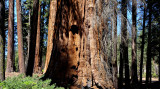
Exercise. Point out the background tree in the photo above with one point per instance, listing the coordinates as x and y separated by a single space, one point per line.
10 37
148 65
20 37
115 71
143 42
134 76
33 37
2 40
124 47
38 60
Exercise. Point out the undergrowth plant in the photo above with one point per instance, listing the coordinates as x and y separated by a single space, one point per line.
22 82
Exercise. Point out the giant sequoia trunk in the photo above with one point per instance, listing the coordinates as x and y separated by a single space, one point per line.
10 37
52 17
37 63
76 57
2 41
20 37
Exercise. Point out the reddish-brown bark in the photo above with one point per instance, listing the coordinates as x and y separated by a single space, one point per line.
76 56
52 17
20 37
37 63
10 37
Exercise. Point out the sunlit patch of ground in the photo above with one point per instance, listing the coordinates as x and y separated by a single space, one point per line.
14 74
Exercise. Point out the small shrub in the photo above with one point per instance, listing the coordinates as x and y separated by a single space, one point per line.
154 75
21 82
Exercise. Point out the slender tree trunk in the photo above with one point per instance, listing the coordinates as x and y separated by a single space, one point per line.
122 54
2 40
148 65
42 35
28 39
20 37
159 59
37 63
134 78
42 42
124 42
115 80
33 37
52 18
120 81
10 37
142 47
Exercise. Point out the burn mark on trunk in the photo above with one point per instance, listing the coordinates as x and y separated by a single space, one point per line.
74 29
76 48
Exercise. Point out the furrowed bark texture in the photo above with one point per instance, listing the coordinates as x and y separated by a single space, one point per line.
2 41
52 18
76 57
20 37
10 37
37 63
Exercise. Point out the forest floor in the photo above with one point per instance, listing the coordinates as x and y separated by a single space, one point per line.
155 84
14 74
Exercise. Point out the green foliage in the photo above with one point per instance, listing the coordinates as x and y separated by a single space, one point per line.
21 82
16 60
154 75
144 75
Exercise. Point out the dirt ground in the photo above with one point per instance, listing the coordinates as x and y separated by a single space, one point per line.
154 85
13 74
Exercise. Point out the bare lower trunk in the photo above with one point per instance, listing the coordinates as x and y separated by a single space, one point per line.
2 41
20 37
148 65
134 78
37 64
10 37
142 48
28 39
124 43
159 59
115 71
33 37
52 17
